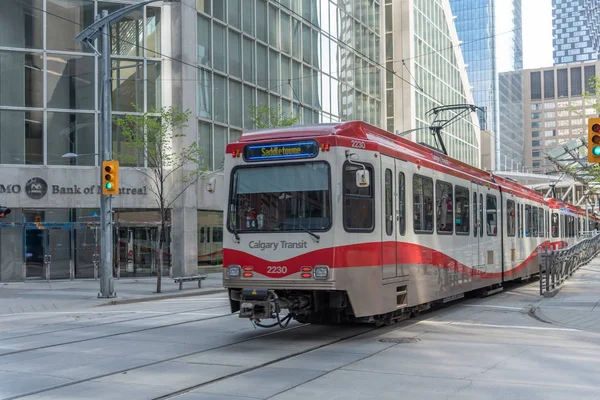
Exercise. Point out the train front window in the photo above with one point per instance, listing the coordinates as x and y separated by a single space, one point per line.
292 197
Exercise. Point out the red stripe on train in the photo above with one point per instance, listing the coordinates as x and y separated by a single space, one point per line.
366 255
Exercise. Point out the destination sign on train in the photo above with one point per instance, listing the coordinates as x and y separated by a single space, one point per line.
281 151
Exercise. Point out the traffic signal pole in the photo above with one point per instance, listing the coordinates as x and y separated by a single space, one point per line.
106 231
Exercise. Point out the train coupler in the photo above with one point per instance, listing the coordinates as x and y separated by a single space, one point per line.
256 304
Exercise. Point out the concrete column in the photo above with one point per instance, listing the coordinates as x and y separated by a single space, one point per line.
184 244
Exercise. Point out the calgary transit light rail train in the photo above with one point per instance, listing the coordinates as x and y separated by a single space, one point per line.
347 222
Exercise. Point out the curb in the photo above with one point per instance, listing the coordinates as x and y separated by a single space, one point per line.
159 297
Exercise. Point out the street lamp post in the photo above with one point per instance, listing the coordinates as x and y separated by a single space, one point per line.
87 36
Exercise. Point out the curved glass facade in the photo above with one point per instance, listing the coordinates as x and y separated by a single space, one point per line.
437 71
316 59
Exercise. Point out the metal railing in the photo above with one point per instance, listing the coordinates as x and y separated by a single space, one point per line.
556 266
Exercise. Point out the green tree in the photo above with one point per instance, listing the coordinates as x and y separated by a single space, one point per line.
269 117
150 135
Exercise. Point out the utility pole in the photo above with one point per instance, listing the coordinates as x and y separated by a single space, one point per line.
101 28
106 227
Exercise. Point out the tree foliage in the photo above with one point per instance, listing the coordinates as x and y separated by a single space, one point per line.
150 136
270 117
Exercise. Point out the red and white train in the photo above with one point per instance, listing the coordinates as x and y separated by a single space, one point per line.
339 222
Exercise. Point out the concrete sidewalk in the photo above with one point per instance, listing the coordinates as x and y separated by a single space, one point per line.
36 296
577 305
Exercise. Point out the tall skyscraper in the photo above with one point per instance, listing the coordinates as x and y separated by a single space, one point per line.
575 31
492 42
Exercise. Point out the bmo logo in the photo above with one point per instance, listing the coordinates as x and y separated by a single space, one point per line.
36 188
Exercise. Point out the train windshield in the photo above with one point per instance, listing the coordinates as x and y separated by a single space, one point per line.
275 198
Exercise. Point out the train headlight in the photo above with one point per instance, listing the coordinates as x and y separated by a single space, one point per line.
234 271
321 272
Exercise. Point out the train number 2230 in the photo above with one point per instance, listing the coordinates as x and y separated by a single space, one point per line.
358 144
272 269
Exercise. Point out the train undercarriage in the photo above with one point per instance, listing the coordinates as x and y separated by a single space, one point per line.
314 307
323 307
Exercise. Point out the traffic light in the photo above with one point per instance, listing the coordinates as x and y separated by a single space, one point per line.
594 139
110 177
4 212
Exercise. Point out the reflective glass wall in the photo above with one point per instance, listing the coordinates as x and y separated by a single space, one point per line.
437 74
49 85
318 59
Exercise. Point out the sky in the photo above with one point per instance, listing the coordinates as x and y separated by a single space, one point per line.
537 33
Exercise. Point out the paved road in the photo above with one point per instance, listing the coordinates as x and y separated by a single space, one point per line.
192 349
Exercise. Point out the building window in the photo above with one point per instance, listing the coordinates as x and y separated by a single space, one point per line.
562 78
549 84
21 137
576 81
589 72
536 85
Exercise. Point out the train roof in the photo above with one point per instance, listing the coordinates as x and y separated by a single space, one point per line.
394 145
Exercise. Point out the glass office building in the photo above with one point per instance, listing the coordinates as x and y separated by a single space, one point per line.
425 69
317 59
575 30
491 36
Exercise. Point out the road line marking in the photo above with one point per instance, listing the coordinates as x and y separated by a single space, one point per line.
535 328
490 306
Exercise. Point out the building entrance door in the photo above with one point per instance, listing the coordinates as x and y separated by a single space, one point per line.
136 251
47 253
35 260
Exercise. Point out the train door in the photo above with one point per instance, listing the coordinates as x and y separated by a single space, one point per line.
519 242
477 207
388 230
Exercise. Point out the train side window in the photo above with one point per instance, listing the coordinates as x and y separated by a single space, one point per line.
480 215
534 222
527 220
474 214
358 207
423 204
461 194
202 235
402 203
491 215
542 222
389 207
562 226
510 218
444 207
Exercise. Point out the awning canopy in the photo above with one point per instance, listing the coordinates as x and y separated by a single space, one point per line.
571 158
